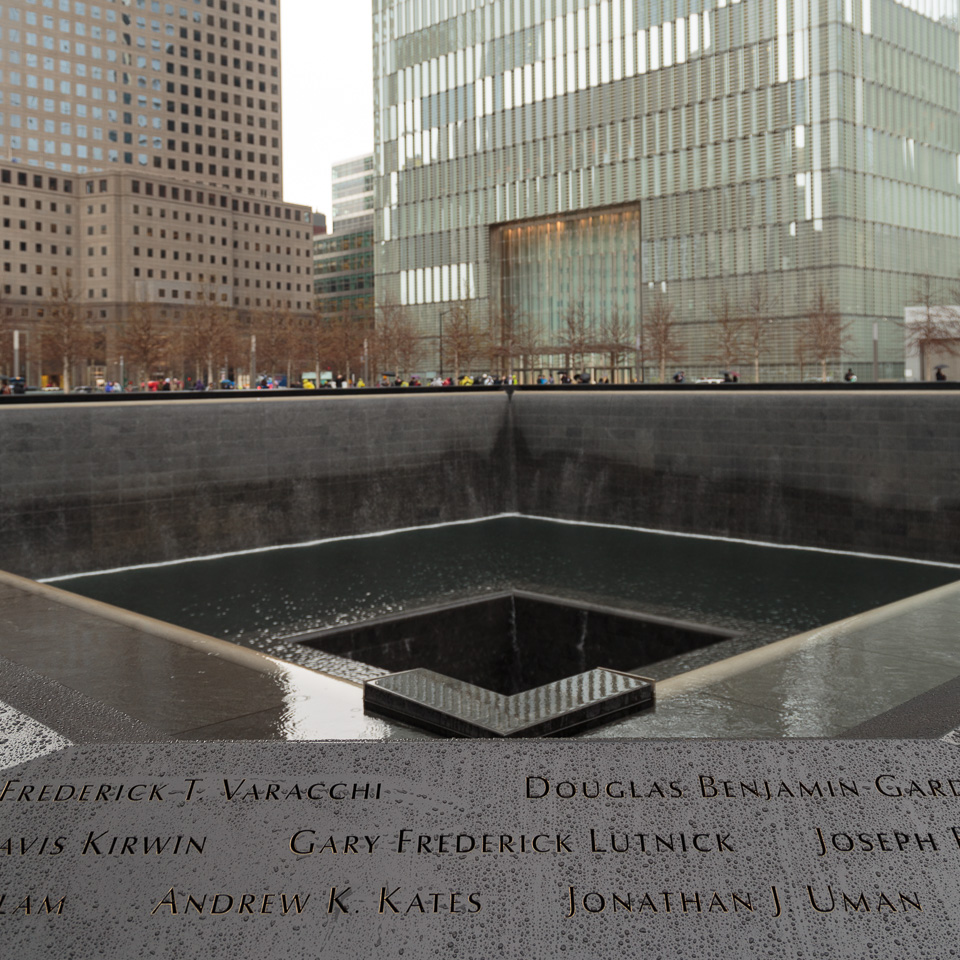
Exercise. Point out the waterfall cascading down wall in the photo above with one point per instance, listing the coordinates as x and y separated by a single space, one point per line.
92 486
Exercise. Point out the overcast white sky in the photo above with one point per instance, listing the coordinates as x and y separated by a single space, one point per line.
327 93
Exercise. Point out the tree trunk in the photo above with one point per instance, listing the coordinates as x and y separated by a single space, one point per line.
66 376
663 369
756 368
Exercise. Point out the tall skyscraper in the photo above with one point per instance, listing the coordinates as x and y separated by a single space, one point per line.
625 159
353 183
141 164
189 89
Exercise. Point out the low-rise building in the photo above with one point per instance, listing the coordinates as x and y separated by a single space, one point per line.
120 238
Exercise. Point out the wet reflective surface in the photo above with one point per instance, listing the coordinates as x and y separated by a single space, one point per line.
90 673
74 671
762 593
451 707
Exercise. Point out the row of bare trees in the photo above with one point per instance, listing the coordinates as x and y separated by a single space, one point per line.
207 338
741 332
748 331
211 336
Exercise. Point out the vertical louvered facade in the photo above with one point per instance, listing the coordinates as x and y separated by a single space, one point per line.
538 155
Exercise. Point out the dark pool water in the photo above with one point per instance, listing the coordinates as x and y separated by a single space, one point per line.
763 592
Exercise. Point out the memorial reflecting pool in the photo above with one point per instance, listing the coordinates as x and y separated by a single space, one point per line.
270 600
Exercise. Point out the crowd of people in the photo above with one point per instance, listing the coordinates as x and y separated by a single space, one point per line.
9 385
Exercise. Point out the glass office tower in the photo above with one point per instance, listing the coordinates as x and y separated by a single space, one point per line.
343 260
540 156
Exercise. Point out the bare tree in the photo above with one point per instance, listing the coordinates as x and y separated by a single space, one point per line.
313 338
729 330
801 348
67 339
953 295
272 328
462 341
399 341
210 333
660 335
281 338
317 341
757 323
142 338
575 334
935 330
509 339
617 340
6 339
345 335
824 332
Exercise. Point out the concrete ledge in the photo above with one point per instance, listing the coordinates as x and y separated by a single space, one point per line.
63 653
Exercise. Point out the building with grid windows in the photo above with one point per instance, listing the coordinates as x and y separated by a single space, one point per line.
188 89
590 167
343 260
141 163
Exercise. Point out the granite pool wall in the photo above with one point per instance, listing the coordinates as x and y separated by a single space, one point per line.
91 486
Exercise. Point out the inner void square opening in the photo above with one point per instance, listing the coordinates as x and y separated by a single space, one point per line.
514 641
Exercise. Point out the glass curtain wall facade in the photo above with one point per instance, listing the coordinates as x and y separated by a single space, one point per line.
775 149
343 261
343 273
353 183
571 279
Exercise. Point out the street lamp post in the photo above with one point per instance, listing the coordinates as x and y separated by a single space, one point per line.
876 352
443 313
640 359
